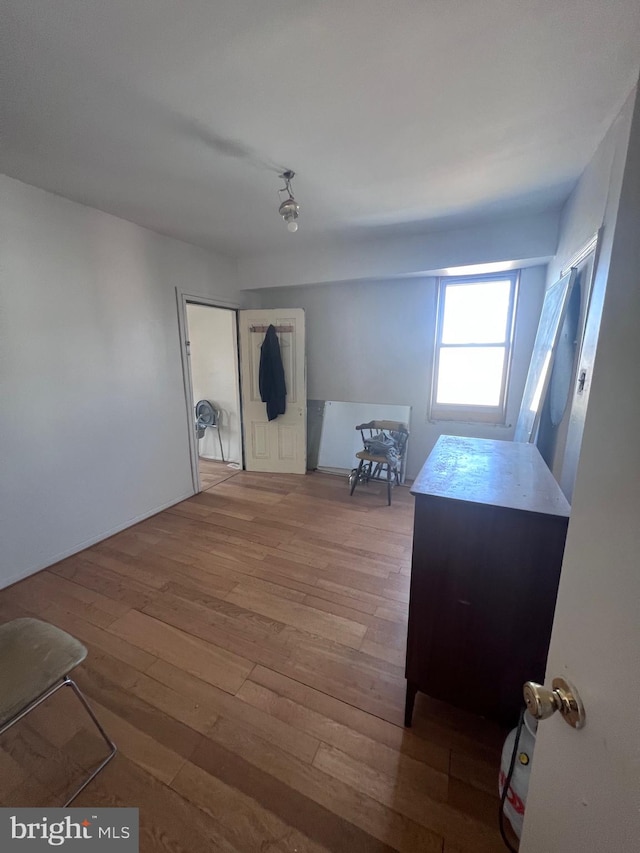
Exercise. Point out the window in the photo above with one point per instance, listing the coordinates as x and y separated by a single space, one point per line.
473 347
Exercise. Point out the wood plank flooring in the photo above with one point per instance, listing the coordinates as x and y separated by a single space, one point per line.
213 472
246 653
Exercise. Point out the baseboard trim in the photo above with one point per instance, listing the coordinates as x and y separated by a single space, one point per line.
87 543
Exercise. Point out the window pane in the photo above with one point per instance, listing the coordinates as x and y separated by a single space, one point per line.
470 376
476 313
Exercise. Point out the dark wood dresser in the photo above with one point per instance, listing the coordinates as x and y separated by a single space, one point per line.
488 539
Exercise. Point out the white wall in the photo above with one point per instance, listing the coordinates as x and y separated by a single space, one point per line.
594 203
584 786
530 238
595 198
214 375
372 342
93 422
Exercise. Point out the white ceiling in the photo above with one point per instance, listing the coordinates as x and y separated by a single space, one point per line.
397 115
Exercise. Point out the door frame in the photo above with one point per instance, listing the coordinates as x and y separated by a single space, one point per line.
183 298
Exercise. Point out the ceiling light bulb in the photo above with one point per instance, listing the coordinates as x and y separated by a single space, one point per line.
289 208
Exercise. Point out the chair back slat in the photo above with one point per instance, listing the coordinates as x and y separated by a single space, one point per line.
395 426
392 426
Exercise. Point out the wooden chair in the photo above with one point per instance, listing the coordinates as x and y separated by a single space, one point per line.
35 661
374 465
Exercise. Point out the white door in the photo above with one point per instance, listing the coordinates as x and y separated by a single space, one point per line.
585 784
278 446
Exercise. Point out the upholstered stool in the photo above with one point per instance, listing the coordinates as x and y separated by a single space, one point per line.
35 661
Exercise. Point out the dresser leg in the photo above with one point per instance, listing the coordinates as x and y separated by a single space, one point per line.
412 689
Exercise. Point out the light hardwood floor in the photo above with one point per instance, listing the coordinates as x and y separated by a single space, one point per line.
213 472
246 654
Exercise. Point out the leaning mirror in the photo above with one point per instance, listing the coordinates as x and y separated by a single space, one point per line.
551 318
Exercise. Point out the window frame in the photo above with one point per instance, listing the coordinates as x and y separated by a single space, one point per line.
466 411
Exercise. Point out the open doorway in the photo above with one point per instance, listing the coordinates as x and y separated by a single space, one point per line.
215 391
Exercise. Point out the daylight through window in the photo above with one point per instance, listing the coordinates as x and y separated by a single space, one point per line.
473 347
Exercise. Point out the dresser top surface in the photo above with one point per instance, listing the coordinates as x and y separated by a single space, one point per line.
498 473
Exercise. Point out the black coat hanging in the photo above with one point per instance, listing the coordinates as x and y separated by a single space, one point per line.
273 390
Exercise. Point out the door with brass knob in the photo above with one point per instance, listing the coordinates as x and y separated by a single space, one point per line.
542 703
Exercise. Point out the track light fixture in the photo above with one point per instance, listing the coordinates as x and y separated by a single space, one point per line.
289 208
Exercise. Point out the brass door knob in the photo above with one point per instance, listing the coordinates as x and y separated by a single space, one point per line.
542 703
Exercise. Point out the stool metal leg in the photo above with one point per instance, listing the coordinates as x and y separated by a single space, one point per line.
112 747
38 701
220 440
68 682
